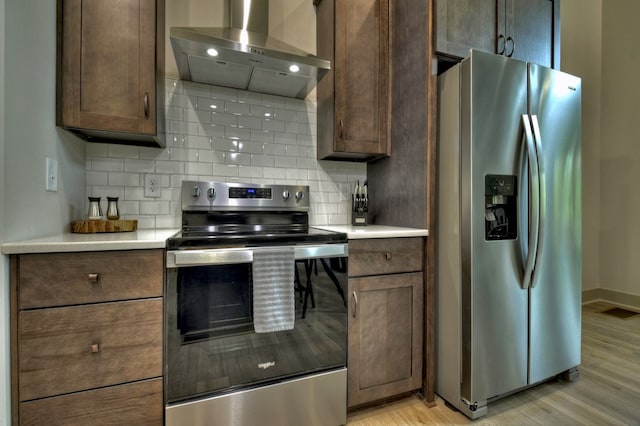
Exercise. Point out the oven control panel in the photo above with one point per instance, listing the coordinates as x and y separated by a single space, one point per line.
206 195
250 192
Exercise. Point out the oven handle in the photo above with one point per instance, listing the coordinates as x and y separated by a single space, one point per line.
229 256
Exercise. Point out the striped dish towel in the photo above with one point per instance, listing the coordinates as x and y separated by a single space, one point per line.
273 293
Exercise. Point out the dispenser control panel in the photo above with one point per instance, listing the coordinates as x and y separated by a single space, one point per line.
499 185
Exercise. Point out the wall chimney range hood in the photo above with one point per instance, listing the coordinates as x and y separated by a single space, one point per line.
244 56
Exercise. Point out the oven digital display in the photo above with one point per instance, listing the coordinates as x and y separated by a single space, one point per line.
263 193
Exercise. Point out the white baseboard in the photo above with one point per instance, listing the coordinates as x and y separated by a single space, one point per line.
611 296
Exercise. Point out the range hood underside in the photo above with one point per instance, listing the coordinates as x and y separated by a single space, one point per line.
260 64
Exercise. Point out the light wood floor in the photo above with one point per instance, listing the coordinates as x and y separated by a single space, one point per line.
607 392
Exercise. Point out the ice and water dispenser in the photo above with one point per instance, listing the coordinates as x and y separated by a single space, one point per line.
500 197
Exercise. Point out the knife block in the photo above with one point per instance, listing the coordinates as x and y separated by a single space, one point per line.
359 214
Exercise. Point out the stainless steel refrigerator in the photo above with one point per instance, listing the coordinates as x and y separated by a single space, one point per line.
509 229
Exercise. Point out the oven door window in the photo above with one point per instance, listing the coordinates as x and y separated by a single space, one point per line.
211 344
213 301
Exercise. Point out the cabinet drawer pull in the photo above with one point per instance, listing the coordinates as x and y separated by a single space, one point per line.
146 104
341 128
94 278
388 256
95 348
355 307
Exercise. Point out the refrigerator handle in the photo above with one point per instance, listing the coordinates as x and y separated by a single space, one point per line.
542 191
534 202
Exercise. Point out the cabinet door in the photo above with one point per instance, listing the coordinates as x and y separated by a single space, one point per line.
108 65
361 76
530 24
464 24
385 336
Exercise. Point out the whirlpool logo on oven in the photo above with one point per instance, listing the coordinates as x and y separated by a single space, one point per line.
268 364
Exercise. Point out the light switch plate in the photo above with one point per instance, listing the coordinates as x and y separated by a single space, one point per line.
52 175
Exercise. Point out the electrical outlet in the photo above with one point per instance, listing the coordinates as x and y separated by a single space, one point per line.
346 190
152 186
52 175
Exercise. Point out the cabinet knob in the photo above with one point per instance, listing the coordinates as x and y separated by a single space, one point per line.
388 256
95 348
94 278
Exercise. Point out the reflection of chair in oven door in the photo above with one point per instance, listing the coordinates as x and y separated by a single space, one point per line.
306 290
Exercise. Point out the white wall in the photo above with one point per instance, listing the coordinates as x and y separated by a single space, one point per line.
30 131
620 148
581 55
5 390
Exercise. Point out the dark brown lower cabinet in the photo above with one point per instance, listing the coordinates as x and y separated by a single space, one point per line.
84 349
385 320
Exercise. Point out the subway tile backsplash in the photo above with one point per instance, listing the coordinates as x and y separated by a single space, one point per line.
222 134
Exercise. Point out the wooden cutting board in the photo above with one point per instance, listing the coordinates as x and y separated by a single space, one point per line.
94 226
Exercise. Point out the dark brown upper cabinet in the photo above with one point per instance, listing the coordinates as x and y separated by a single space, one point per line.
528 30
110 70
354 96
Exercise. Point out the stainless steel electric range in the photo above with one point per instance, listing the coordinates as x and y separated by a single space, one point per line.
256 320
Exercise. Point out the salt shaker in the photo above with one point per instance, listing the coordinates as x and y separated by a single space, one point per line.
112 208
95 212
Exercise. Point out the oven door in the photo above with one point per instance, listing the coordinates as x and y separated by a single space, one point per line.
211 345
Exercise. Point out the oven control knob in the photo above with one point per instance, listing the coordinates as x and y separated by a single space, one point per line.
299 195
195 192
211 192
286 195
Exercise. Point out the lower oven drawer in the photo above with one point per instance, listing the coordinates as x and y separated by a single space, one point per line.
312 400
77 348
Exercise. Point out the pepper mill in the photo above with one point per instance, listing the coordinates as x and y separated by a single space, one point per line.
112 208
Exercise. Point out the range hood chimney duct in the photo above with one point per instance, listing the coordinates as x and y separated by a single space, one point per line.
244 56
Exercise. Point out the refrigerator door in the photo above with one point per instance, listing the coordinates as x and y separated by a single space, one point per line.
555 295
494 306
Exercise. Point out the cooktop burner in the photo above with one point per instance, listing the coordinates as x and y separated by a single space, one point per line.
236 214
195 240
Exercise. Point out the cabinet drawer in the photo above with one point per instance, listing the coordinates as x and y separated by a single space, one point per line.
56 279
75 348
385 256
137 403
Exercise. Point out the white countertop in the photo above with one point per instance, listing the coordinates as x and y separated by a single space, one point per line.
68 242
375 231
156 238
